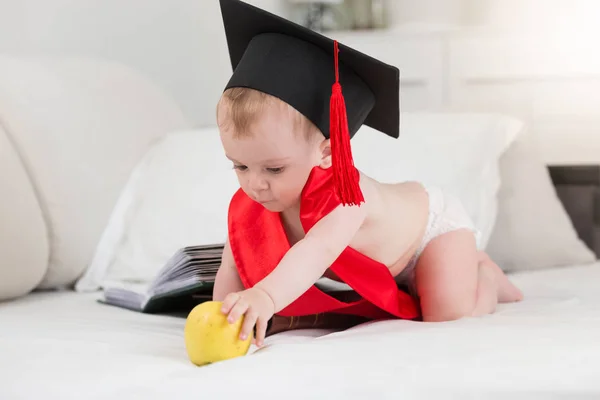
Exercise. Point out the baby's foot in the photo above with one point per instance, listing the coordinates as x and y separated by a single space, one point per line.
507 291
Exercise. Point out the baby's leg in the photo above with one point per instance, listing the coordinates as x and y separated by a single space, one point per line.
455 280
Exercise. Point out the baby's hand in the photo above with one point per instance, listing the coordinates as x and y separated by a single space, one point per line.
256 305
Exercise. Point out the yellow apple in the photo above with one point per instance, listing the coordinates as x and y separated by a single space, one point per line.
210 338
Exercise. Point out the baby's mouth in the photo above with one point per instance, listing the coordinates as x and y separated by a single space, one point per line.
263 201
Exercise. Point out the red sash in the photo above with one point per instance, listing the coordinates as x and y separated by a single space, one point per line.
258 242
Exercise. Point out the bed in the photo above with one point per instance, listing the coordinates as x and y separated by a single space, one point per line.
544 347
58 343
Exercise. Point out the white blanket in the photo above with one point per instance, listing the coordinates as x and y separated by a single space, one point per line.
66 345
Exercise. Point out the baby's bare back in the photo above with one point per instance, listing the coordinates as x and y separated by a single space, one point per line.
393 229
396 221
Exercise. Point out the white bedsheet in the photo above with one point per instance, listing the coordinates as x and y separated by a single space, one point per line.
65 345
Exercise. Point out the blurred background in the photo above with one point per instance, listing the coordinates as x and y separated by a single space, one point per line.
535 59
105 173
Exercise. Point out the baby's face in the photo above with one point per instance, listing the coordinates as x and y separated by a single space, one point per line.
272 161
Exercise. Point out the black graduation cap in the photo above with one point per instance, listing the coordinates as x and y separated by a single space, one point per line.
302 68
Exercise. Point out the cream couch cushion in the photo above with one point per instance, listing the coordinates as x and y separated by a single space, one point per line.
23 234
79 126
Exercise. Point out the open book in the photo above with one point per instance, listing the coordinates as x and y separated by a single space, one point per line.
186 279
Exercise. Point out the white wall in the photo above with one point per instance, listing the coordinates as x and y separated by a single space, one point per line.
180 44
508 14
536 14
426 12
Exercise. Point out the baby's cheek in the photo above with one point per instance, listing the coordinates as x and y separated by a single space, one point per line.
284 193
288 187
295 193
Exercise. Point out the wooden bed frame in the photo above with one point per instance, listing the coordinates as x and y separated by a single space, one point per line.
578 188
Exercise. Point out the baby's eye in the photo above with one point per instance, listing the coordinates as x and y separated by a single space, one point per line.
240 167
275 170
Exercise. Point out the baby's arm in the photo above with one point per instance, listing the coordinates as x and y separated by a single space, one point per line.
297 271
227 279
308 259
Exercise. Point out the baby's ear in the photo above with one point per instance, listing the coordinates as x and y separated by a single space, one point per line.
325 149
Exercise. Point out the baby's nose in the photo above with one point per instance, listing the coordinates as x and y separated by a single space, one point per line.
258 184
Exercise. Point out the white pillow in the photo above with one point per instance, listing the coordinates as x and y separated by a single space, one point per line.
533 230
457 152
177 196
180 192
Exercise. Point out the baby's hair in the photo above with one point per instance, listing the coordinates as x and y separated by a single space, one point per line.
241 106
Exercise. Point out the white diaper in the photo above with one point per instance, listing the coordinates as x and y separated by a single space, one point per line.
446 214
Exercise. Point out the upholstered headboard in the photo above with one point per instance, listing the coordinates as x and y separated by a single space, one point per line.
578 187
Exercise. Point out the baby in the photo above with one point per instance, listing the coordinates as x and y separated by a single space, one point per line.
424 237
403 234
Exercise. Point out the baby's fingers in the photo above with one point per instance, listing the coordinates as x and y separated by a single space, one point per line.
249 321
261 331
239 308
229 302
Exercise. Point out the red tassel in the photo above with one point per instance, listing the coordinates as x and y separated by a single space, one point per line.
346 177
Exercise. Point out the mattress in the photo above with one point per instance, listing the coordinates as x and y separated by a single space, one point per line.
65 345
